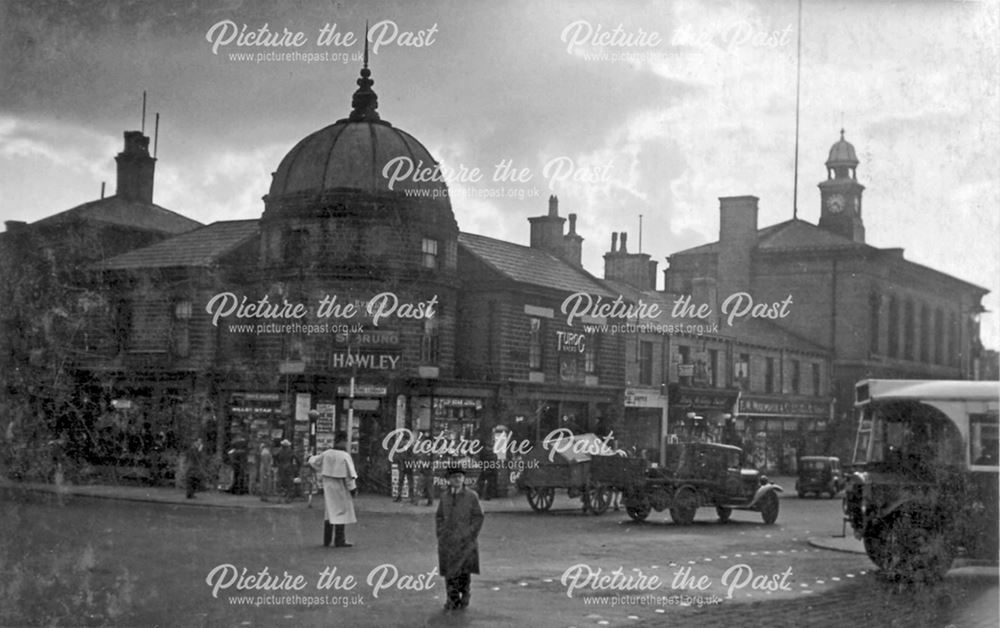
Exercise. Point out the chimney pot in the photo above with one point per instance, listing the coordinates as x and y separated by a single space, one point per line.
614 241
572 224
553 205
624 243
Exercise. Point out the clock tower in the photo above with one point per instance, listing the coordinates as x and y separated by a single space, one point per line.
840 194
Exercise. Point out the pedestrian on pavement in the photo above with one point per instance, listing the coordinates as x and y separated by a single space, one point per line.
404 475
237 452
266 473
287 463
458 522
339 488
195 459
486 483
425 463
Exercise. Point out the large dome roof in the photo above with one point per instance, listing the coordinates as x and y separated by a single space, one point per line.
354 153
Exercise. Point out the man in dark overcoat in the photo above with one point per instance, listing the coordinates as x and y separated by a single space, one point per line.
459 519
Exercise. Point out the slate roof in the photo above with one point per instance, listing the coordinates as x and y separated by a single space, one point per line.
791 234
119 211
798 235
756 331
527 265
199 248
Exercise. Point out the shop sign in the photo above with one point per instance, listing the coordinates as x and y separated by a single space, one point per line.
370 338
639 398
366 405
782 407
363 390
364 360
701 399
254 410
570 342
257 396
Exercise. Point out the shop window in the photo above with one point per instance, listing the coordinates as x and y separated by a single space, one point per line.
645 363
535 344
769 375
430 253
796 377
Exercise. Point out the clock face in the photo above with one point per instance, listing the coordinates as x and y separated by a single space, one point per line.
836 203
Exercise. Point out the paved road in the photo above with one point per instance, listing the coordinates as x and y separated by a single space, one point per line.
108 562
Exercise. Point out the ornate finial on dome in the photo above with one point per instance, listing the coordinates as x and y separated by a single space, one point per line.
365 101
841 128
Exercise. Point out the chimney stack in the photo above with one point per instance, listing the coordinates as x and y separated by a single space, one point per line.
135 169
573 244
636 269
737 240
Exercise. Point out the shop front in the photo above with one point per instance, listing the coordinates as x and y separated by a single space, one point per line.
700 413
777 430
644 425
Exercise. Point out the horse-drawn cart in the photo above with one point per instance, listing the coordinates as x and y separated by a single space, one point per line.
581 465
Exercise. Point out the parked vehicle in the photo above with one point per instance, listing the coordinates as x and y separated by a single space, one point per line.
580 464
698 475
924 487
818 475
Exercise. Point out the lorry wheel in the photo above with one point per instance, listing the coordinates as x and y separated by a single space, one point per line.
638 513
915 551
685 506
724 513
874 542
769 508
540 499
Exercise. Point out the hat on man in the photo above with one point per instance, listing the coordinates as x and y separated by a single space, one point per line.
285 442
455 470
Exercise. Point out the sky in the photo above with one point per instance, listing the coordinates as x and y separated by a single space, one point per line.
624 110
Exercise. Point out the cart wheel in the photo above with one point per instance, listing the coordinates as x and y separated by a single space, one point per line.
724 513
685 505
769 508
638 513
540 499
596 499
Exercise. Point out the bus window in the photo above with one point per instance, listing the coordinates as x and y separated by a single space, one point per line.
983 439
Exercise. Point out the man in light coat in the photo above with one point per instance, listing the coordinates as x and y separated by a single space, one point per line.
339 487
459 519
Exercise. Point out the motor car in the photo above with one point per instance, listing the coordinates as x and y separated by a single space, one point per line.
819 475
